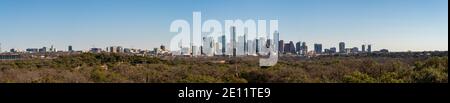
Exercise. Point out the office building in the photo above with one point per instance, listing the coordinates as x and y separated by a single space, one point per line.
333 50
304 48
369 48
281 46
224 45
341 47
318 48
233 40
291 47
354 50
70 49
363 48
298 47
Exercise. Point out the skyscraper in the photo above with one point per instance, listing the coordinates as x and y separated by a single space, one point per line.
224 45
233 39
363 48
291 47
276 39
70 49
304 48
257 46
318 48
298 47
245 44
369 48
281 46
341 47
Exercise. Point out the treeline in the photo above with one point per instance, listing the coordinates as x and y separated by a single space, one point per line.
120 68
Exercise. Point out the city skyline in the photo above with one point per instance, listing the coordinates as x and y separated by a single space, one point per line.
416 25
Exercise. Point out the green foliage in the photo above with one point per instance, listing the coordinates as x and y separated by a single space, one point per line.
358 77
119 68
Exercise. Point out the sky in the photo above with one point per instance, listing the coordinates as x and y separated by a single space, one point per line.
397 25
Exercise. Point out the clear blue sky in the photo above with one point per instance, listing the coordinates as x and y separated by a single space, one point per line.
397 25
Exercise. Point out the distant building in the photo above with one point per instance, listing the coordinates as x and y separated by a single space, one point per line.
333 50
298 47
95 50
32 50
224 45
318 48
369 48
233 40
304 48
13 50
281 46
115 49
363 48
276 39
384 51
342 47
354 50
43 50
327 51
70 49
9 56
292 47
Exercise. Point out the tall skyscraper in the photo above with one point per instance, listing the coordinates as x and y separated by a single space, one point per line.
281 46
341 47
276 39
224 45
298 47
304 48
318 48
245 44
70 49
291 47
363 48
257 48
369 48
233 39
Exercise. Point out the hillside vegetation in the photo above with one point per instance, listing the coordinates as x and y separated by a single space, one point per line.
119 68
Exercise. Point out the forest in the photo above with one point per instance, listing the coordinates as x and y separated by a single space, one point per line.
122 68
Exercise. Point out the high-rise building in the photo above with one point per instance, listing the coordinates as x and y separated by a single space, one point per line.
318 48
286 48
276 39
328 51
224 45
245 44
369 48
298 47
304 48
363 48
257 48
70 49
241 46
233 39
281 46
341 47
291 47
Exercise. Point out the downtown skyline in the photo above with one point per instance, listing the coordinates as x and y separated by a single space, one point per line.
399 25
